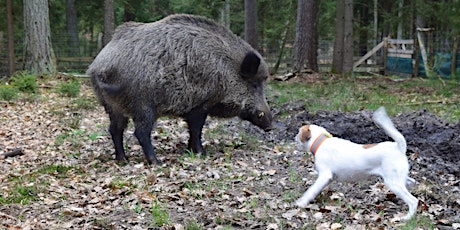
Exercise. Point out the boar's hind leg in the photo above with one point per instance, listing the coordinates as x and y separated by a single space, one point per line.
118 124
195 122
143 124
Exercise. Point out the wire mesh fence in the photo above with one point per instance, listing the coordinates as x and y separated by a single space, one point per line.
76 56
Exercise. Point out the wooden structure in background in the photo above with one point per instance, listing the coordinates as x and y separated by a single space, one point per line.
398 48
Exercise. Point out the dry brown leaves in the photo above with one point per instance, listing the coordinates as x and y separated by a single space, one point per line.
72 181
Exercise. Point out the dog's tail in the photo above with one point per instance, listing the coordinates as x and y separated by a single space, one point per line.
381 118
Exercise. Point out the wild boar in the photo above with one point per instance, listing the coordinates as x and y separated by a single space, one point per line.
181 66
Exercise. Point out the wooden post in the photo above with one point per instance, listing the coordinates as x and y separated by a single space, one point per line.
423 51
416 60
385 53
369 54
453 66
431 47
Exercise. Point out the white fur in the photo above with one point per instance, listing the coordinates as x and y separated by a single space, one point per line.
344 160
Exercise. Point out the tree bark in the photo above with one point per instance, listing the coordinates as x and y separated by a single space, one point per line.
129 11
38 51
337 58
342 60
363 31
400 20
109 21
250 22
9 16
348 38
72 28
306 41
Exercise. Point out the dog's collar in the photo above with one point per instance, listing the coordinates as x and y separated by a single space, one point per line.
319 140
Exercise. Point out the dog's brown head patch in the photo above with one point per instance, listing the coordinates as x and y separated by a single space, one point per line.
368 146
305 133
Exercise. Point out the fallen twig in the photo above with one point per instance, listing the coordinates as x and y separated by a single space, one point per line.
16 152
434 102
8 216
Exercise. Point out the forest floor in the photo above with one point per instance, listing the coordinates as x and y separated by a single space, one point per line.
67 178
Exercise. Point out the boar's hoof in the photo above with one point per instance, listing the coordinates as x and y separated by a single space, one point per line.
121 159
197 149
153 161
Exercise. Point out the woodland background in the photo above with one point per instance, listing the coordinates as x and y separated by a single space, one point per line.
290 34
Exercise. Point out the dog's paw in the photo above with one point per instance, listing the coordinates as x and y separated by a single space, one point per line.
301 203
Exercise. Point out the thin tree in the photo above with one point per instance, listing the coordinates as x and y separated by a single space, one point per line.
72 27
306 41
38 51
9 16
250 22
109 21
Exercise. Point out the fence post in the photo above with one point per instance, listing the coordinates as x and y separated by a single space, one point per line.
416 59
385 54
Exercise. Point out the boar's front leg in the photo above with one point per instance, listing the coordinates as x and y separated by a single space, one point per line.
143 125
195 121
118 124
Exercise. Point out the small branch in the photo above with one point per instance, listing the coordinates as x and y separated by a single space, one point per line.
8 216
16 152
434 102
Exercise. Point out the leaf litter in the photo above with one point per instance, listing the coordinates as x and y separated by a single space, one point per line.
250 179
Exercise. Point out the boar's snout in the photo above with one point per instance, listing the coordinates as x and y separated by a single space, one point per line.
265 119
260 118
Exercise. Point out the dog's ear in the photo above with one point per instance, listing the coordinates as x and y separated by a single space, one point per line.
305 133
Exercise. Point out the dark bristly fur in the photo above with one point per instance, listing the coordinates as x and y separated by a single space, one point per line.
185 66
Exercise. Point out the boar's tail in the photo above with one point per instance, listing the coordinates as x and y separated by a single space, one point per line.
109 89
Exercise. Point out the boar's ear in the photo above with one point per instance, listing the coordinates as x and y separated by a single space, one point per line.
250 65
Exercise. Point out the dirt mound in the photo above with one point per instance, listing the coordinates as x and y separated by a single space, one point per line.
428 137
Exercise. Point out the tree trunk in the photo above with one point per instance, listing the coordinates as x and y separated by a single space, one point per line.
129 11
337 58
348 38
38 52
225 14
72 28
250 22
306 41
400 19
9 16
376 23
363 31
109 21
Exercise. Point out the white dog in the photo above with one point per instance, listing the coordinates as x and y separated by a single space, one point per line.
344 160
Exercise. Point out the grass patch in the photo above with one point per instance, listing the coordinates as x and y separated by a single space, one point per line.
24 189
160 215
8 93
354 94
59 171
70 89
20 194
418 222
25 82
84 103
193 225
